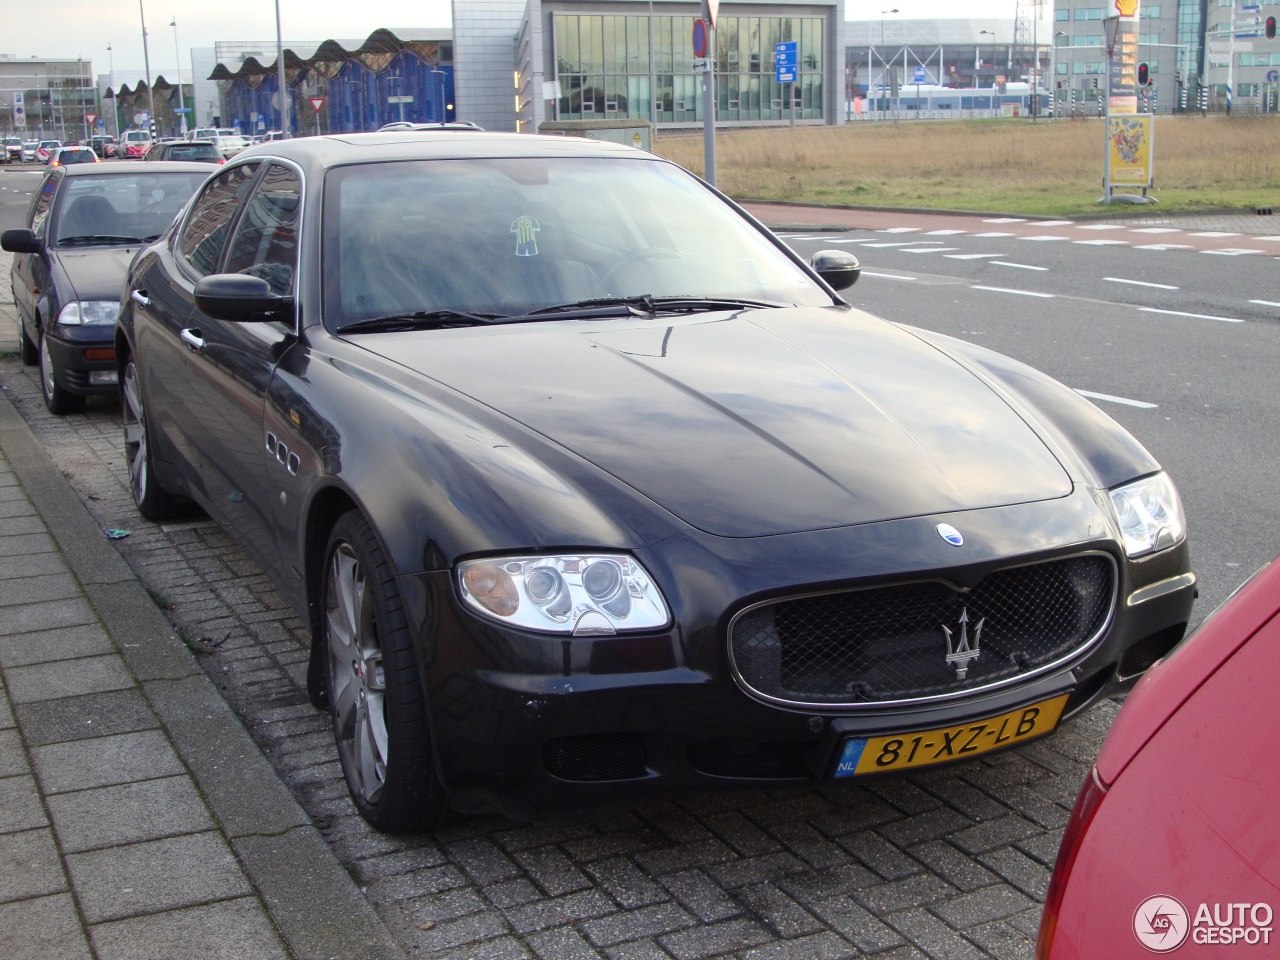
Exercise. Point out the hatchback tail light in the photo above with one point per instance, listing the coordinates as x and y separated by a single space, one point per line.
1082 814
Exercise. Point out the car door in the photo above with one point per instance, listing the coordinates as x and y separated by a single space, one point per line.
162 291
28 275
231 365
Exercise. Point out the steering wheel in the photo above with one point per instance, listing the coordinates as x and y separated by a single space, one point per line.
646 253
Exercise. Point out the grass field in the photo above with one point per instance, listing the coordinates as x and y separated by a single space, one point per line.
1049 167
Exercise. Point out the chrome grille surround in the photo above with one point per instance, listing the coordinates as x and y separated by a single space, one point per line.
884 646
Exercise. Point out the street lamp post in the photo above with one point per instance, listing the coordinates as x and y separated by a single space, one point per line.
1053 73
182 107
882 60
146 60
115 99
280 75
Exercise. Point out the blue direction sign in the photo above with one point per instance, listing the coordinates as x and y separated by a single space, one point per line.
784 61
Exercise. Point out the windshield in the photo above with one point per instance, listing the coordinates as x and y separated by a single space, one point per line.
123 207
511 236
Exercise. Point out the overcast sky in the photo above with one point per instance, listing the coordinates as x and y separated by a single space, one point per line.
83 28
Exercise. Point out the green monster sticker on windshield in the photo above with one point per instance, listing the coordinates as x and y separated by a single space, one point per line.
526 231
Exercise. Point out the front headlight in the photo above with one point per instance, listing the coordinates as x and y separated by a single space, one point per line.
595 594
1150 515
83 312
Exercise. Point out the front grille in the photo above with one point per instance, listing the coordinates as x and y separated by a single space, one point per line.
887 644
596 756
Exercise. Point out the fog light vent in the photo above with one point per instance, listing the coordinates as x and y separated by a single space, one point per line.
600 756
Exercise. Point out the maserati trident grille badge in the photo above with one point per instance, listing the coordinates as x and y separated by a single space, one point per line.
964 650
950 534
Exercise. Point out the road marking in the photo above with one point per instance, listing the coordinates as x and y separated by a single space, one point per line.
832 240
1054 223
1140 283
1020 266
995 234
1194 316
1102 243
1141 404
1046 237
1156 230
1265 303
1213 233
804 236
1101 226
1006 220
943 233
971 256
1164 246
1021 293
1233 252
928 249
886 276
901 230
895 243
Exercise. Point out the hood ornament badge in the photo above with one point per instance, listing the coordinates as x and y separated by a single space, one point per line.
963 651
950 534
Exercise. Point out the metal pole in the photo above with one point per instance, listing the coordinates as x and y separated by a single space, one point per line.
182 106
280 75
115 99
653 79
146 60
709 109
1106 136
1231 55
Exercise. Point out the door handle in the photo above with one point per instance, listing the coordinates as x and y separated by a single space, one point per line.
140 298
192 339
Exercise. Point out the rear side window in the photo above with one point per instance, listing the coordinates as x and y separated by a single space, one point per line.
202 238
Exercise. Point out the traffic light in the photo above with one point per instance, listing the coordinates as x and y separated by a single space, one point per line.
1270 29
1095 83
1144 74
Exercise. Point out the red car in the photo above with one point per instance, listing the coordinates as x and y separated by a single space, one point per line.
1174 840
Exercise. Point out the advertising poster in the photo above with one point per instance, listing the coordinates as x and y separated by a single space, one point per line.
1130 148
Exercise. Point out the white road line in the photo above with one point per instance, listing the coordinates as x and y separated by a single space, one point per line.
1141 404
1265 303
943 233
834 240
1021 293
1194 316
1141 283
901 230
1045 238
1233 252
1101 226
995 235
1020 266
1006 220
1102 243
886 276
806 236
1156 230
1213 233
1054 223
927 249
1164 246
896 243
1266 236
972 256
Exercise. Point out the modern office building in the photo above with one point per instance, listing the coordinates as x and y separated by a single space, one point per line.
54 95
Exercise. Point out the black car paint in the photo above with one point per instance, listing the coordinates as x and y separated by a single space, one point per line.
277 428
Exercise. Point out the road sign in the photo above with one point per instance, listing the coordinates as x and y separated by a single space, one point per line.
701 65
784 62
402 98
90 117
920 76
316 103
19 112
700 35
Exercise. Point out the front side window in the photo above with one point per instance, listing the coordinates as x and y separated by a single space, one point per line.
43 202
266 241
202 238
507 237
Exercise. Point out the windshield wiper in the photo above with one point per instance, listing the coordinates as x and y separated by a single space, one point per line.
421 320
652 305
101 238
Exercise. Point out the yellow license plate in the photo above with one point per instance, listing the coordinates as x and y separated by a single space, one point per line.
864 755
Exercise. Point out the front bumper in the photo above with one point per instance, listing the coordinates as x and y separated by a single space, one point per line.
565 730
84 359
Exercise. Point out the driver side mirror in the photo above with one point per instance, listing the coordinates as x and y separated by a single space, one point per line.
20 240
839 268
241 298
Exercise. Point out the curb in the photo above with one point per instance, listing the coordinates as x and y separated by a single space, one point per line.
314 903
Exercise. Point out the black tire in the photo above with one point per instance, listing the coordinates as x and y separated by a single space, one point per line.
30 354
154 502
375 695
59 402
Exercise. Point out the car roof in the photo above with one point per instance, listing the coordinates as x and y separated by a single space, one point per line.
111 167
341 149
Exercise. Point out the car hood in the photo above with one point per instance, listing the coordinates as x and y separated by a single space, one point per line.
757 422
96 273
